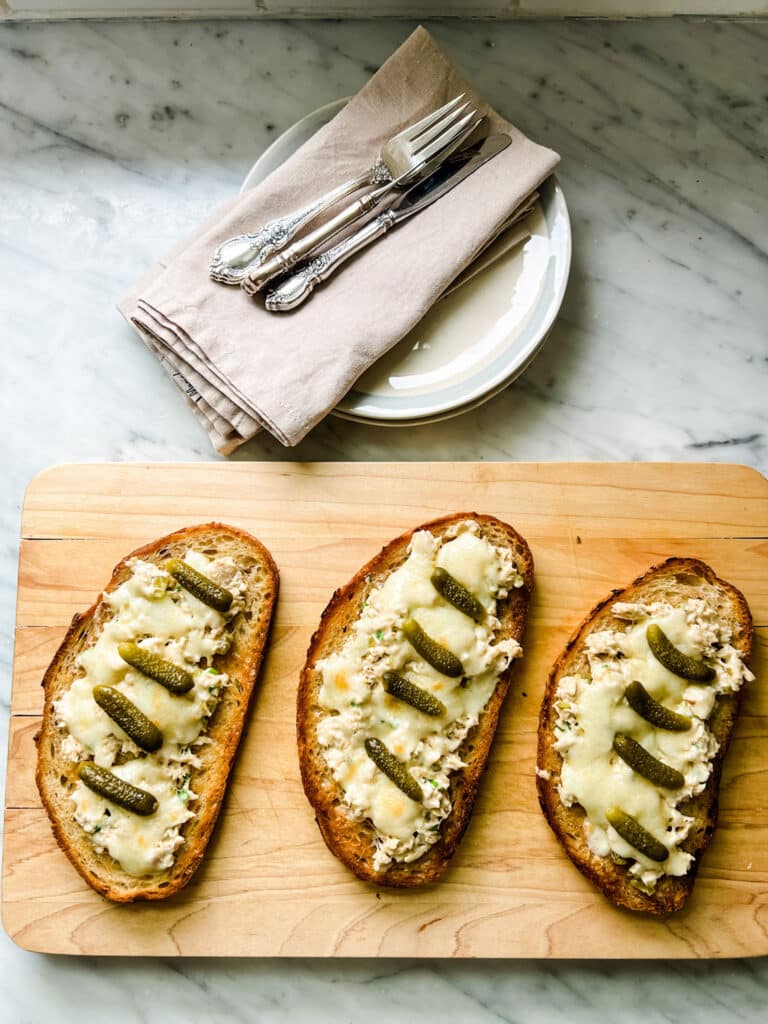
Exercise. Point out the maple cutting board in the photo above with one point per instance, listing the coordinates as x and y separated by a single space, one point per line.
268 886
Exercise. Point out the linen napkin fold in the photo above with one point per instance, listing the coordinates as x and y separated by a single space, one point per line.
242 368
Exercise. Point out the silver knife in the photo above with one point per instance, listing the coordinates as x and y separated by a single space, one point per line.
293 290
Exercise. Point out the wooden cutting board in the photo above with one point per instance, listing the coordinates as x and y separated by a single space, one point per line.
268 886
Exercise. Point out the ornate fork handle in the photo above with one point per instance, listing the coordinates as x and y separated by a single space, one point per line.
237 256
294 290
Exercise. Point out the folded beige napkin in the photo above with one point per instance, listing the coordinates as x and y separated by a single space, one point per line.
243 368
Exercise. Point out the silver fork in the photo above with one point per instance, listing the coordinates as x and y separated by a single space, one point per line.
425 154
235 257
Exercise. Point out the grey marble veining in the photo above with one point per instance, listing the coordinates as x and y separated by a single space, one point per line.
115 139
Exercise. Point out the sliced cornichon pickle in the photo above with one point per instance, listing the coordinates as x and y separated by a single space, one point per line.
412 694
645 764
393 768
457 594
633 832
172 677
665 652
200 586
439 657
643 703
142 731
120 792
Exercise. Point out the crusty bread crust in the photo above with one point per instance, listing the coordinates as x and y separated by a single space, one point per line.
673 580
56 776
352 840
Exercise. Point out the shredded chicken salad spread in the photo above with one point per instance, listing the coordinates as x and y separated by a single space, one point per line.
591 711
152 609
358 706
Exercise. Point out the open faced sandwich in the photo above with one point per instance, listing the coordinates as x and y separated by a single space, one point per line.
401 692
145 701
635 724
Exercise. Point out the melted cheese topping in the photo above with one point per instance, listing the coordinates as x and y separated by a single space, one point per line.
152 609
591 711
141 845
358 706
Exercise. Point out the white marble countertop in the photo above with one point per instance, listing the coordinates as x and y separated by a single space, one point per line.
116 138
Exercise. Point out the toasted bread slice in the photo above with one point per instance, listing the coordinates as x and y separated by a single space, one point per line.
350 838
57 775
673 581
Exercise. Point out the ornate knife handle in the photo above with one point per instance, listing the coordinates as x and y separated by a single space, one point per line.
295 289
233 259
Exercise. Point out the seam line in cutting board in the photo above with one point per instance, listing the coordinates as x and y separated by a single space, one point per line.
737 536
49 538
59 536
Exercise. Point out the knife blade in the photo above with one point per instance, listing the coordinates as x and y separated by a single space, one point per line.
297 288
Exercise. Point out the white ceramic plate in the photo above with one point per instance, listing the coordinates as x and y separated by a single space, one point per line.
474 342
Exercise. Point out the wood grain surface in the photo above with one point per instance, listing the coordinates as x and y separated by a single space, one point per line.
268 886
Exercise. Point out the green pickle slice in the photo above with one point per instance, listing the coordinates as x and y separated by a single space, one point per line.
643 703
633 832
120 792
412 694
645 764
457 594
439 657
131 719
393 768
172 677
665 652
200 586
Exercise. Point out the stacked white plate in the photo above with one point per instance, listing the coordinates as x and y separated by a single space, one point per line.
476 340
